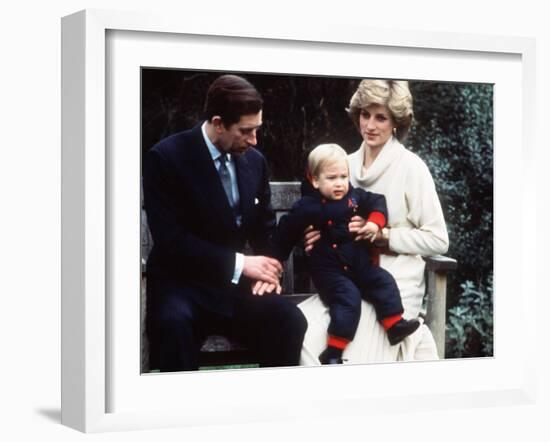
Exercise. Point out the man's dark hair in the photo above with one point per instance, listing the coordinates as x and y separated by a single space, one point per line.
231 97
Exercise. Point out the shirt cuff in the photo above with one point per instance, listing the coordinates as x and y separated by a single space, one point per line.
239 264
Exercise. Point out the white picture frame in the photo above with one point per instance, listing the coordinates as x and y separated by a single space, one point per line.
88 363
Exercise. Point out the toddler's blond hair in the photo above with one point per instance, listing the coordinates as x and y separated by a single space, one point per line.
323 155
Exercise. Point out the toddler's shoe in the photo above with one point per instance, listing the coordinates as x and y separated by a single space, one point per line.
331 356
401 329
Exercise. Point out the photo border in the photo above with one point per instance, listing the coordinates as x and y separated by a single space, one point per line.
85 201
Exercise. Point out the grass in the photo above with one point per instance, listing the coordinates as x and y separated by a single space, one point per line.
228 367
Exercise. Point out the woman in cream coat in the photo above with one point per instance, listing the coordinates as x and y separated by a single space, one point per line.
382 112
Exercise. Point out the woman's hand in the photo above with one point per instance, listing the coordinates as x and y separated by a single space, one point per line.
310 237
372 231
360 227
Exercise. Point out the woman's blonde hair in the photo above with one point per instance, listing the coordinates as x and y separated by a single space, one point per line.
393 94
322 155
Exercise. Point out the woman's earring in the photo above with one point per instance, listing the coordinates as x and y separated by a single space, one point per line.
394 131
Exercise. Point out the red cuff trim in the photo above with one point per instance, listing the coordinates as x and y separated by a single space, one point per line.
377 218
390 321
337 342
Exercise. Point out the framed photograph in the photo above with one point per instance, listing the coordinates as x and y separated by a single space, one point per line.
105 55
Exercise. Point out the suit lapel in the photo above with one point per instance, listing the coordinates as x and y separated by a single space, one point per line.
245 182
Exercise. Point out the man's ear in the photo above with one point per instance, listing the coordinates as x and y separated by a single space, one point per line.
217 122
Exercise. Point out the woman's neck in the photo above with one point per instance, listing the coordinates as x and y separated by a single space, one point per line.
370 155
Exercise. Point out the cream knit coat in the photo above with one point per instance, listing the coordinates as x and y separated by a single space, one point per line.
417 228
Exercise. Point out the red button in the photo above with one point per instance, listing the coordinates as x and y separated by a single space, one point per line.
346 268
334 246
329 222
323 201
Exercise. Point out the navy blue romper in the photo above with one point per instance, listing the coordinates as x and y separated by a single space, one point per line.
340 267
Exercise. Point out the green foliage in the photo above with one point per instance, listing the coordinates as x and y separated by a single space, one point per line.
453 133
228 367
470 322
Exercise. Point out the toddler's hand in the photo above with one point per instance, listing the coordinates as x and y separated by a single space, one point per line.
372 230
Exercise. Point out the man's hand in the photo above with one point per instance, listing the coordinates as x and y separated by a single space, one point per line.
262 268
310 237
260 287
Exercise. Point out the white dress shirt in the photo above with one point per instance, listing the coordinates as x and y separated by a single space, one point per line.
215 154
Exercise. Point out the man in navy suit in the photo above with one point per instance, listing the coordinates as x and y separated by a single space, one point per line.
207 194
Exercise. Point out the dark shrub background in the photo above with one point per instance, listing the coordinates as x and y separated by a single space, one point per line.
452 133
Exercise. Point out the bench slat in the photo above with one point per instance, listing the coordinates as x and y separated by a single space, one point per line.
284 194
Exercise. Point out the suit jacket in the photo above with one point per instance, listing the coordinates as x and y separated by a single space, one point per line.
195 235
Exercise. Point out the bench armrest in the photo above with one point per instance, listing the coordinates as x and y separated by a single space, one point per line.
437 268
440 263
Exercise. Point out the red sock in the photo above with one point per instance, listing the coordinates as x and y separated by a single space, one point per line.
390 321
337 342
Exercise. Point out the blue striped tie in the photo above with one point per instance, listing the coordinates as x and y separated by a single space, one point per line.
226 179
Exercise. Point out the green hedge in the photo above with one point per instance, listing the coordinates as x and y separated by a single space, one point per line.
454 135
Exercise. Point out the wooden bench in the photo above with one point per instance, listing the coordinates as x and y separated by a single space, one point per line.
218 350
